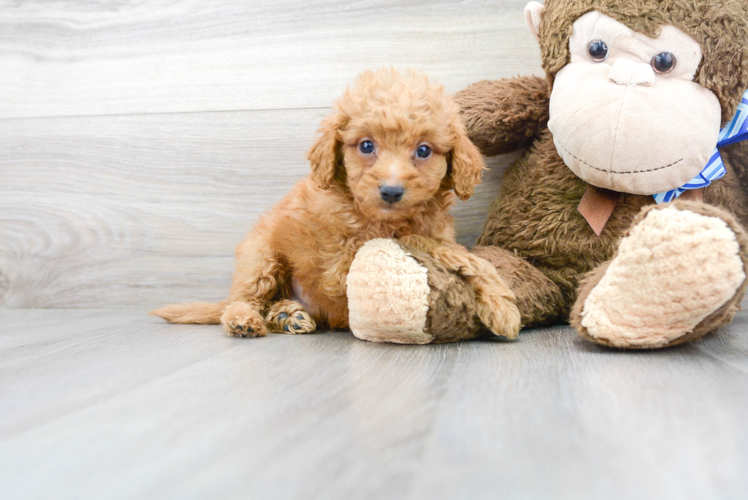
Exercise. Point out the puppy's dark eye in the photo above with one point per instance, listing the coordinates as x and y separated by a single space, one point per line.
366 147
423 152
663 62
598 50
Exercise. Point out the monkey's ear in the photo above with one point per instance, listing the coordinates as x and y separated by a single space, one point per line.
323 156
533 15
467 167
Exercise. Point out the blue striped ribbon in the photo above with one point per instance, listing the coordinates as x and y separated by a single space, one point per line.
735 131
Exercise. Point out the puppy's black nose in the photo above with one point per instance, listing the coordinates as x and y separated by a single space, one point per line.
391 194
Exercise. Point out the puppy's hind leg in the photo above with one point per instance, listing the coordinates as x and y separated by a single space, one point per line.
259 278
288 316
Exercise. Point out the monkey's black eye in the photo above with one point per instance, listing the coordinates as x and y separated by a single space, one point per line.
423 152
366 147
598 50
663 62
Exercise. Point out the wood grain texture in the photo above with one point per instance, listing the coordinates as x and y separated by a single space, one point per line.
113 404
139 141
69 58
119 211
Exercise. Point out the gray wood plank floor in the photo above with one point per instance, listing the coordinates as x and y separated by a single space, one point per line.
115 404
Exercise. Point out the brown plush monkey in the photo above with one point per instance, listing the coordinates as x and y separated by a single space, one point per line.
629 114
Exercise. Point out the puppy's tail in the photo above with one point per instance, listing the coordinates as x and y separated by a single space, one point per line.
202 313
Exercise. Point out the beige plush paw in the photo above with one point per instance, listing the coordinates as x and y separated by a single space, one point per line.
388 295
674 269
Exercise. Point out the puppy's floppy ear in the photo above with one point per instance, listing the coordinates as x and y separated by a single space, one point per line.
323 156
467 165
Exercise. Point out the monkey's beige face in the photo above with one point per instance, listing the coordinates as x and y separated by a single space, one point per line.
391 176
626 115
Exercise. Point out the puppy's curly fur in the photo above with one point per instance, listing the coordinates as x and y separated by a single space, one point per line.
303 249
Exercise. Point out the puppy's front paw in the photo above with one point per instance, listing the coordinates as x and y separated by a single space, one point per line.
500 314
495 301
240 319
289 317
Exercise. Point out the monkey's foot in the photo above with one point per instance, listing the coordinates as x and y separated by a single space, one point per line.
288 316
678 275
402 295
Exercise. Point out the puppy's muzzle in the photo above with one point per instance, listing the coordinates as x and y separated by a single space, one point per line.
392 194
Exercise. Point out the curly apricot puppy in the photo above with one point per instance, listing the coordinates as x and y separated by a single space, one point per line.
386 164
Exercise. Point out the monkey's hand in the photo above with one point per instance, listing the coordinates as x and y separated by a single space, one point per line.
502 116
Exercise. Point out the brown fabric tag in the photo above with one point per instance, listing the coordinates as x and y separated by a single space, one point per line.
693 195
597 206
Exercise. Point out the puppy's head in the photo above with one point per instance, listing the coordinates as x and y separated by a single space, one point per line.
395 141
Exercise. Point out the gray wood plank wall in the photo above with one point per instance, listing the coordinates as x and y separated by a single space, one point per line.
139 141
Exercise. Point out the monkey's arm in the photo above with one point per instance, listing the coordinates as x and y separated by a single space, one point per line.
504 115
731 192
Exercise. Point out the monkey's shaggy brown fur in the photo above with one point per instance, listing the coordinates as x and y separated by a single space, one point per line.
534 235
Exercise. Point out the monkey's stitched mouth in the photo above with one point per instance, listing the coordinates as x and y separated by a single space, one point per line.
614 172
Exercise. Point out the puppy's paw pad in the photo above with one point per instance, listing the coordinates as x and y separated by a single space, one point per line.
300 323
289 317
241 320
238 330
